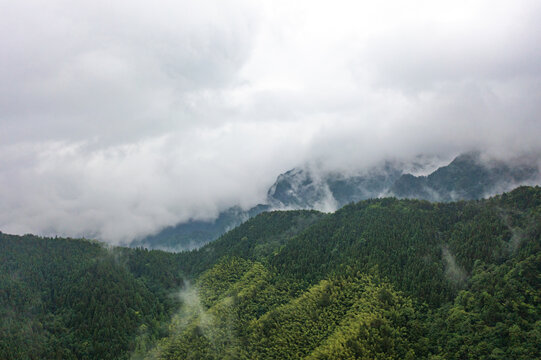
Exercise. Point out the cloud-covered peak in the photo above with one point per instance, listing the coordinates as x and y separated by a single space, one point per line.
117 119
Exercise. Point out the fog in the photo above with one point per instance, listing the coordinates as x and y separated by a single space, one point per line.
117 119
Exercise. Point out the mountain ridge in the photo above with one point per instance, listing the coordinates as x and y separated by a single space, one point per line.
466 177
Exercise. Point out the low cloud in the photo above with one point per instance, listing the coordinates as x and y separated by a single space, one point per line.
119 119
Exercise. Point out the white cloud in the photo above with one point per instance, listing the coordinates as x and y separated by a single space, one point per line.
119 118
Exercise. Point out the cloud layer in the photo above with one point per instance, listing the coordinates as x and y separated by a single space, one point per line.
119 119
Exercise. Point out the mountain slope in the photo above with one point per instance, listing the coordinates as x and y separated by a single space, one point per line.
195 233
257 239
307 189
467 177
382 278
75 299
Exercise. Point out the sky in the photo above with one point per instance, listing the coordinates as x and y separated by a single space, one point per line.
118 118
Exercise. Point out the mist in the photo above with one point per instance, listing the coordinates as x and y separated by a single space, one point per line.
117 120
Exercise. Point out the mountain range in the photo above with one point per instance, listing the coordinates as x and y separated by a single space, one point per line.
467 177
378 279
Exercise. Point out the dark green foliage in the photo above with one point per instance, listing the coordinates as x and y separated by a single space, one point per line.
497 317
468 272
75 299
258 239
380 279
426 249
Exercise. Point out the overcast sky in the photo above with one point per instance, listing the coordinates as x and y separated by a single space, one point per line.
120 117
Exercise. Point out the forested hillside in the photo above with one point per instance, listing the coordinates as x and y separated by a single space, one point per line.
76 299
379 279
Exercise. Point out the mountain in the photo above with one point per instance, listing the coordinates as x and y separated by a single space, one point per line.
195 233
306 189
78 299
295 189
382 278
467 177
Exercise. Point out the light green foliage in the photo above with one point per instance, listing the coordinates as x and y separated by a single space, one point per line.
247 317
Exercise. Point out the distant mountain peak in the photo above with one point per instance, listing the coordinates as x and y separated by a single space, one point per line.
467 176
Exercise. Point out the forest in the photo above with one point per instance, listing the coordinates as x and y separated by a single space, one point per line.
378 279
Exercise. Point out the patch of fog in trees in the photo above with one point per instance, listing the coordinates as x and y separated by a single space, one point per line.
453 271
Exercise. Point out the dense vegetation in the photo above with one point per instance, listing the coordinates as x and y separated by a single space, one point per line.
75 299
379 279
